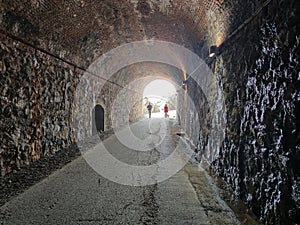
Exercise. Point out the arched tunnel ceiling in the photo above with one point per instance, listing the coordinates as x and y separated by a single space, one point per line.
82 30
137 76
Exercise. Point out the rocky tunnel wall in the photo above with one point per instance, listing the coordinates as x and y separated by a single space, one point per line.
36 97
38 113
257 70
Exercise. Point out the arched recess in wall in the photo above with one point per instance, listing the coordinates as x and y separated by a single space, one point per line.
97 119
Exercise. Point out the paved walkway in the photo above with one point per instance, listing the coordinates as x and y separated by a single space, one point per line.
77 194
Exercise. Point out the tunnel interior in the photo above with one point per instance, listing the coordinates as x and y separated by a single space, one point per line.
240 107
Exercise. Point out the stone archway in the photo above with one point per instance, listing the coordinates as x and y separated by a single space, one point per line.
97 119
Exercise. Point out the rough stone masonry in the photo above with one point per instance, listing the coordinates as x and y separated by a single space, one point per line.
47 46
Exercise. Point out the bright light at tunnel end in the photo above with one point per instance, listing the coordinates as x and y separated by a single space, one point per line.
99 157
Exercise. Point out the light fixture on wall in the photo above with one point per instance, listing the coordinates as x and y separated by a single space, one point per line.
213 51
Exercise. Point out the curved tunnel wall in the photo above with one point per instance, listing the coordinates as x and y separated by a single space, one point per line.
36 97
257 71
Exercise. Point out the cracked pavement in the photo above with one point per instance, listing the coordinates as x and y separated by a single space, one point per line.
76 194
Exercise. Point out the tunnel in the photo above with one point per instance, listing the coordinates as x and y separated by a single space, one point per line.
234 65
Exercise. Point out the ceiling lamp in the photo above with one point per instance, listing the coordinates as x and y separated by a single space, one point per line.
213 51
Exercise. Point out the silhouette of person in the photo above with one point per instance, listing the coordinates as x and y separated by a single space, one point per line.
166 110
149 107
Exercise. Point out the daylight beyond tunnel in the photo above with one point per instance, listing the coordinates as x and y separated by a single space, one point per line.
160 94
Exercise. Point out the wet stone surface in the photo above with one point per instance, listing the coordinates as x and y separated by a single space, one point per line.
258 74
259 158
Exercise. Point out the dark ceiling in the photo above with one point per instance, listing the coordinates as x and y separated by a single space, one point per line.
85 29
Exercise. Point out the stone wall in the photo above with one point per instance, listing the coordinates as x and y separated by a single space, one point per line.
113 97
37 107
258 71
36 96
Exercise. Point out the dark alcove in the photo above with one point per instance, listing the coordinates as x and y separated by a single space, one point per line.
98 119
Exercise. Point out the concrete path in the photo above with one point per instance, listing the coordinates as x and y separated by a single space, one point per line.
77 194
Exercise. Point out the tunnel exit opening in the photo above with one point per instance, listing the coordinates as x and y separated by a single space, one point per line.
160 94
97 119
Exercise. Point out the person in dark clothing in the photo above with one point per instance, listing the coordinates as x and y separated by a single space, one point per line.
149 107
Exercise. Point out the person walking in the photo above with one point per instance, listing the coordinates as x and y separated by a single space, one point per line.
149 107
166 110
